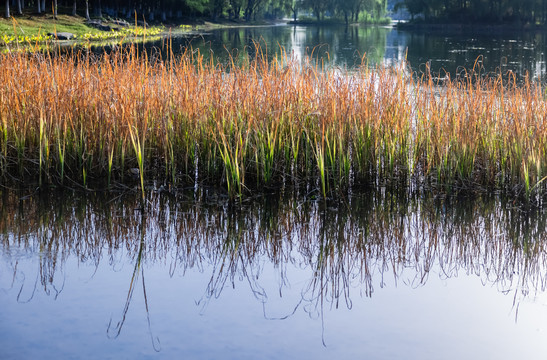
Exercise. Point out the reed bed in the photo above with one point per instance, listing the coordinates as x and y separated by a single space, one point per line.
86 120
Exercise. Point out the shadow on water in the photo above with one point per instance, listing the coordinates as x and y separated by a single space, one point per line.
353 243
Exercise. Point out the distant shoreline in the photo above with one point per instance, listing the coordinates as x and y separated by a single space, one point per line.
475 28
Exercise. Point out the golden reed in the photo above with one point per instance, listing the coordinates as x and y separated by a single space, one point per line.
75 119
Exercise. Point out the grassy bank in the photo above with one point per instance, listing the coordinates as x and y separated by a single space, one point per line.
78 120
29 29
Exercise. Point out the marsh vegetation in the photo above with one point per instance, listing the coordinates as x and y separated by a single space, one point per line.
75 120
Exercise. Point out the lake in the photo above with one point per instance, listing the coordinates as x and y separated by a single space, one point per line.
382 273
443 52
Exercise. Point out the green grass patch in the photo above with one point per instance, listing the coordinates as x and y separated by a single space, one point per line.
34 28
34 24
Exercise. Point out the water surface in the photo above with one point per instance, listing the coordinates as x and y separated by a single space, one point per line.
378 275
443 52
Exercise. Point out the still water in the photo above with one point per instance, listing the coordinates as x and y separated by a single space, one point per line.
452 53
376 275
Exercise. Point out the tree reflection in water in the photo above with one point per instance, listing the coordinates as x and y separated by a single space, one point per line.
345 244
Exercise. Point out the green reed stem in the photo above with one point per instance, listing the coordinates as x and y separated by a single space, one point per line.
138 147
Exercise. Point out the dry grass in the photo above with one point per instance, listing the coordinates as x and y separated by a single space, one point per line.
76 119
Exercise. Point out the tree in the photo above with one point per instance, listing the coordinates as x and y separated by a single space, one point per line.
235 8
516 11
98 9
7 9
87 10
349 8
414 7
292 7
318 7
380 7
252 8
216 8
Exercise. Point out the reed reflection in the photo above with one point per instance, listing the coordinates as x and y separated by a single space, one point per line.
355 243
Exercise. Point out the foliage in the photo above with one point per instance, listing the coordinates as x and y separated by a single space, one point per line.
249 10
515 11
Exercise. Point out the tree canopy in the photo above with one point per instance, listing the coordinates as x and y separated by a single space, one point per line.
247 10
487 11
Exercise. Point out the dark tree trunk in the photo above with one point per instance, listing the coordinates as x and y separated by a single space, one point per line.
38 7
74 8
55 9
317 13
249 11
19 9
7 9
87 9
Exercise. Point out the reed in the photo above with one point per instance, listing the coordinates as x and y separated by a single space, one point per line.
252 124
138 147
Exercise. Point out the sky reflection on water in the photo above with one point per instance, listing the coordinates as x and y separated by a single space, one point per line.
375 276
